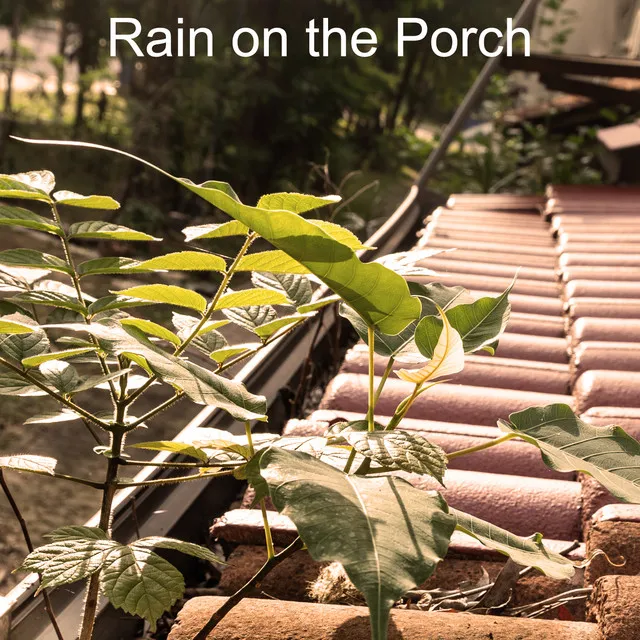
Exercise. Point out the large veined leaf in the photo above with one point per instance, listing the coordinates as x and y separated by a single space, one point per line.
209 342
60 375
399 450
105 266
32 464
318 304
33 185
166 294
32 259
297 288
482 322
181 261
202 386
250 297
251 317
388 535
24 345
152 328
294 202
448 352
11 384
271 261
34 361
567 443
527 552
210 231
72 199
133 577
51 299
97 230
378 294
18 217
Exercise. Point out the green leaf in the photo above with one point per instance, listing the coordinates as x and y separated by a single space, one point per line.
14 327
140 582
51 299
210 231
251 317
24 345
166 294
18 217
32 259
527 552
202 386
105 266
295 202
272 262
91 382
250 297
185 324
115 303
378 294
152 328
270 328
399 450
32 464
388 536
174 447
222 355
72 199
11 384
181 261
209 342
318 304
34 361
188 548
95 229
33 185
342 235
60 375
64 415
296 288
65 561
481 323
568 444
437 295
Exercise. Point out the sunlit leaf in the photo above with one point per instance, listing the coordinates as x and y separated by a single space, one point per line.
210 231
272 262
270 328
251 317
181 261
153 329
60 375
32 259
18 217
222 355
296 288
174 447
51 299
342 235
166 294
33 185
250 297
104 266
72 199
34 361
295 202
97 230
53 417
32 464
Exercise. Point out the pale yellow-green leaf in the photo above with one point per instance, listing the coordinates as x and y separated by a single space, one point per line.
34 361
152 328
251 297
181 261
72 199
13 327
221 355
342 235
210 231
271 262
448 357
166 294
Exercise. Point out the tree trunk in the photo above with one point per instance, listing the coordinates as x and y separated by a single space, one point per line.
403 86
13 58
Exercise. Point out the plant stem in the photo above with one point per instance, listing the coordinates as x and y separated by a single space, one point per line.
159 409
66 248
205 317
237 597
402 409
263 504
385 377
110 488
61 399
176 480
27 538
352 457
372 399
481 447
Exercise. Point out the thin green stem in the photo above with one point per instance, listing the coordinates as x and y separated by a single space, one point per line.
372 400
481 447
54 394
383 381
128 462
271 552
68 256
403 409
176 480
205 317
159 409
352 457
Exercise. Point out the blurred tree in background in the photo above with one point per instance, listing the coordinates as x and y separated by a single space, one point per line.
261 123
